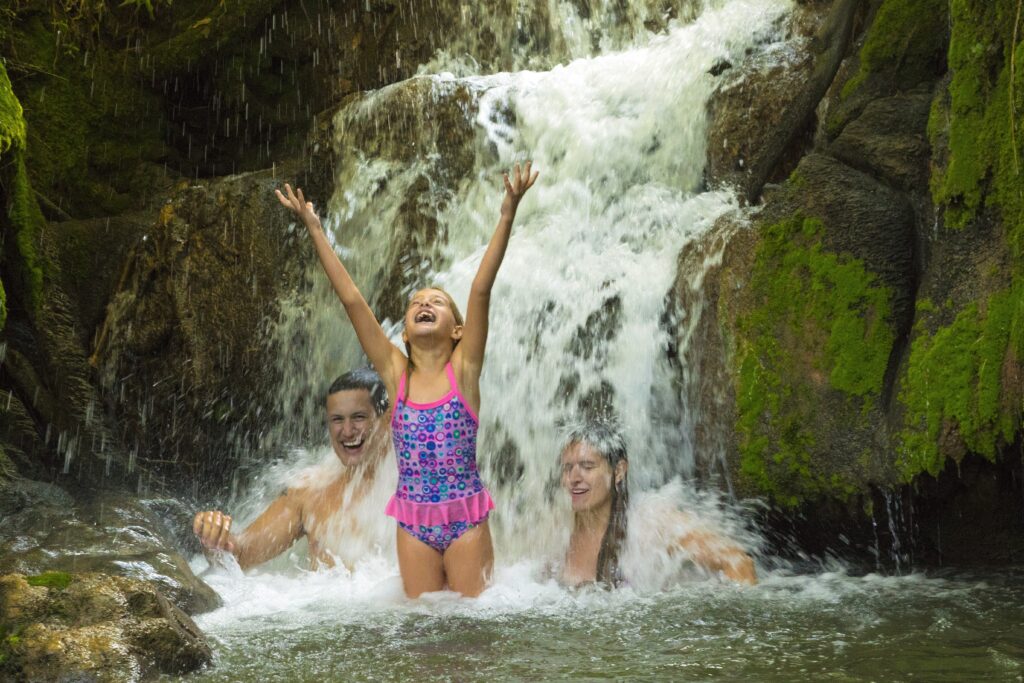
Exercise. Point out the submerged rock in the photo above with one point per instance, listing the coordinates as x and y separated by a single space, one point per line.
96 627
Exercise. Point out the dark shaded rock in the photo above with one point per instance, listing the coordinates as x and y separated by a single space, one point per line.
45 529
89 261
888 141
864 218
94 627
903 47
181 356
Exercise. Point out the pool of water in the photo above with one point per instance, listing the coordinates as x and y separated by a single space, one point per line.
949 626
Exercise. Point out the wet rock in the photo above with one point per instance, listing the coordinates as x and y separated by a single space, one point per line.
748 108
888 141
762 117
45 529
93 627
181 357
863 217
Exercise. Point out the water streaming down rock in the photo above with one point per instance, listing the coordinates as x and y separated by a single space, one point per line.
579 314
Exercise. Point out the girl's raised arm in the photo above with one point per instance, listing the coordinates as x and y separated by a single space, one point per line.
474 336
381 352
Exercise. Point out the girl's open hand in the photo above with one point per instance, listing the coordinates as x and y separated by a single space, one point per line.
516 186
297 203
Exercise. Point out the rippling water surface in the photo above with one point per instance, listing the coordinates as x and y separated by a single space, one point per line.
829 626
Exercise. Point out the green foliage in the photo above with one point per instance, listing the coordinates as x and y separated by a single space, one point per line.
59 580
12 122
23 221
906 36
985 122
955 380
815 315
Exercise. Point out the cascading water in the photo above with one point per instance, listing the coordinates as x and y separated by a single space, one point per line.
580 322
579 312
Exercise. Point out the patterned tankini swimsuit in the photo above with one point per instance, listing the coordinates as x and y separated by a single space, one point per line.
440 495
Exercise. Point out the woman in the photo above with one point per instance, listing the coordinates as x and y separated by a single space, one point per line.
594 474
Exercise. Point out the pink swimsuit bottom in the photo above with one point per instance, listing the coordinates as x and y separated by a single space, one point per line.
440 495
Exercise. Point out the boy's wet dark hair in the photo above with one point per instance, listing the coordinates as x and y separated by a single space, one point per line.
363 378
603 436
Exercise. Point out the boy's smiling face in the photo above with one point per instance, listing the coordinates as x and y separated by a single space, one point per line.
356 430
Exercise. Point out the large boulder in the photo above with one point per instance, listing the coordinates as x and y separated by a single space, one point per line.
762 116
63 627
872 311
181 355
45 529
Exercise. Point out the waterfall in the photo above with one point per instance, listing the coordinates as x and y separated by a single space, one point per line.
580 317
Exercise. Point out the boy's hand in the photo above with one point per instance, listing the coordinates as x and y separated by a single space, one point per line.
214 530
516 187
298 205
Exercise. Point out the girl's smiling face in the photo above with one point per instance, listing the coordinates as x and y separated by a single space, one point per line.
431 312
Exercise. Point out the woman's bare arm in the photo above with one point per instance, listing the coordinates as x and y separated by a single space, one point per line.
716 553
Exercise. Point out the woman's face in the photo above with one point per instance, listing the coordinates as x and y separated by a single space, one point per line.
587 477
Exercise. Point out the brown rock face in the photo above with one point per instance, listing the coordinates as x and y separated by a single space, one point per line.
93 627
762 117
888 140
179 354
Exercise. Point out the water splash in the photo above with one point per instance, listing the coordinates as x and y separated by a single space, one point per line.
578 311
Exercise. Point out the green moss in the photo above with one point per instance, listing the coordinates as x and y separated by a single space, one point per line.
24 220
22 272
12 121
960 389
984 125
955 381
59 580
907 38
816 317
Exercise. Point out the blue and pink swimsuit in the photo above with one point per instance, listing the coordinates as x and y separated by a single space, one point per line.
440 495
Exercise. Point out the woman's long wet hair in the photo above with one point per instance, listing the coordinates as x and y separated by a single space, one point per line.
409 367
606 439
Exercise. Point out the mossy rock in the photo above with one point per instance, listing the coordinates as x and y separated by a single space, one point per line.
96 627
817 303
59 580
961 388
903 47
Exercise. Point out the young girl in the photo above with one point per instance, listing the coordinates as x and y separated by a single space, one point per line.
441 505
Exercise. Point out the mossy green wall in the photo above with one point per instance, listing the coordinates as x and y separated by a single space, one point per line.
815 319
962 382
21 271
820 318
905 40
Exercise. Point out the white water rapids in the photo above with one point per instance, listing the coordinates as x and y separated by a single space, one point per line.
579 311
